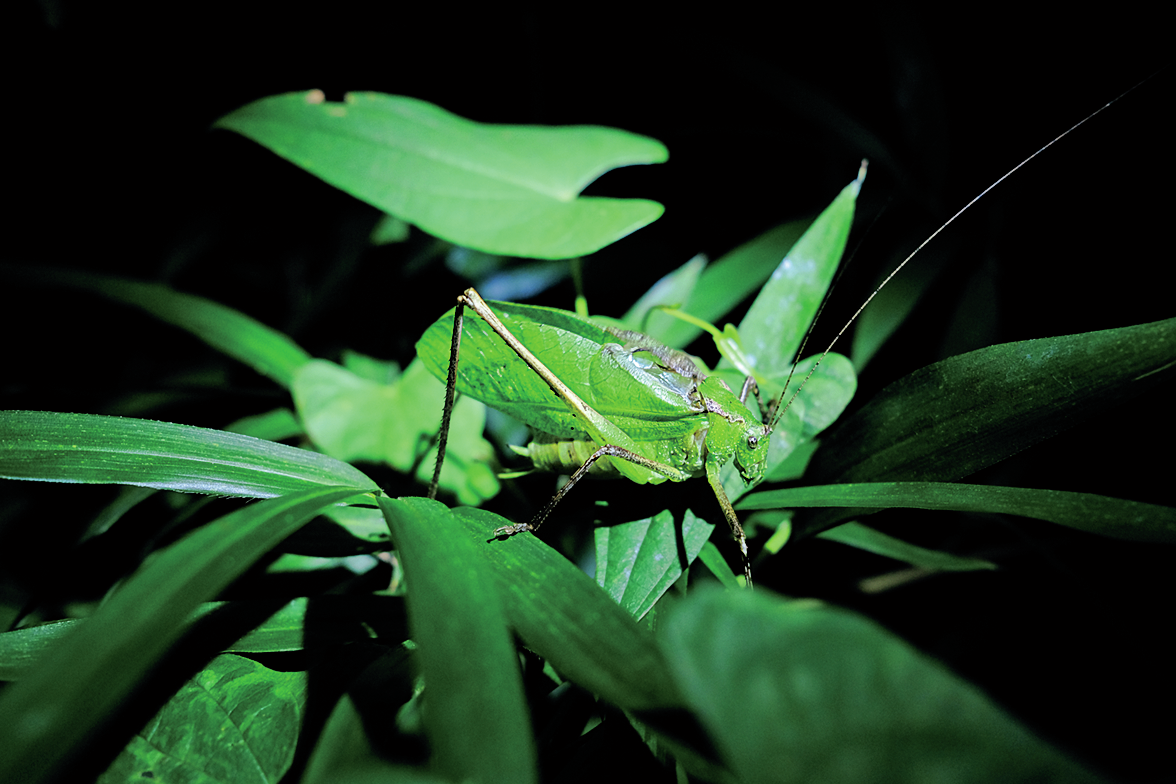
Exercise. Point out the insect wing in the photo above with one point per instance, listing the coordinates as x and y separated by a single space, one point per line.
571 347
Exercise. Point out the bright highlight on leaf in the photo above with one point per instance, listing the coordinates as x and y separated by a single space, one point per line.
52 447
506 189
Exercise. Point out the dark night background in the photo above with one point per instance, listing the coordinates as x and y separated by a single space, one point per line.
112 168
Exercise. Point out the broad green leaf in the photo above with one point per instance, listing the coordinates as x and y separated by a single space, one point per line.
507 189
46 446
637 562
951 419
475 714
234 721
773 328
795 693
73 691
269 352
353 418
1113 517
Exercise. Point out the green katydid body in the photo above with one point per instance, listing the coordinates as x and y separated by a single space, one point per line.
661 404
660 419
712 425
620 402
658 400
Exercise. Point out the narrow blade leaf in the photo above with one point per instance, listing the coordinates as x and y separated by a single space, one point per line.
475 715
74 690
1113 517
46 446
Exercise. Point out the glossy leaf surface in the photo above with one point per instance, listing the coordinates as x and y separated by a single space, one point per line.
506 189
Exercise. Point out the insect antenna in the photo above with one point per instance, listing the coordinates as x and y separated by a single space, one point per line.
781 409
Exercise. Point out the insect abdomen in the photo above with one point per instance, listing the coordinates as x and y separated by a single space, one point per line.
564 456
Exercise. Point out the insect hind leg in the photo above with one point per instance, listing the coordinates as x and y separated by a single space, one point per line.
608 450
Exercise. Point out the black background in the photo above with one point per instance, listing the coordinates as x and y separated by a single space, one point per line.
112 167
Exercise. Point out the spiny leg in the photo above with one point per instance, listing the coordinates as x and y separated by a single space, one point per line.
608 450
450 389
616 451
712 476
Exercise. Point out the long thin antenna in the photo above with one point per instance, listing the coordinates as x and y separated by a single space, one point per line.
780 410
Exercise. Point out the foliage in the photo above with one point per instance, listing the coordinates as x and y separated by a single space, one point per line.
721 684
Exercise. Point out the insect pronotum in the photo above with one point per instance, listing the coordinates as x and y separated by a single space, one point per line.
698 423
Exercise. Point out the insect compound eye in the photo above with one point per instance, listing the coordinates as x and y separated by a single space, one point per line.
752 442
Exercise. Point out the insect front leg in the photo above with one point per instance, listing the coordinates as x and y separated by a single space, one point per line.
712 476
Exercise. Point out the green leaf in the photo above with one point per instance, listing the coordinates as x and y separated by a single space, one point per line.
235 721
566 618
338 620
276 425
474 709
865 538
951 419
637 562
727 281
773 328
713 560
671 291
1098 514
47 446
353 418
343 750
796 693
73 691
269 352
507 189
811 408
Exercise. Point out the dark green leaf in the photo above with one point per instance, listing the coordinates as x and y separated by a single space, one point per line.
474 710
89 674
951 419
1095 513
793 692
710 557
269 352
865 538
565 617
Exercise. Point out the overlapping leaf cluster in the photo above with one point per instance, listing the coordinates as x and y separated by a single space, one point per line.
732 686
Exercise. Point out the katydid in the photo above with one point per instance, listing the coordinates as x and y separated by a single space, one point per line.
618 402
